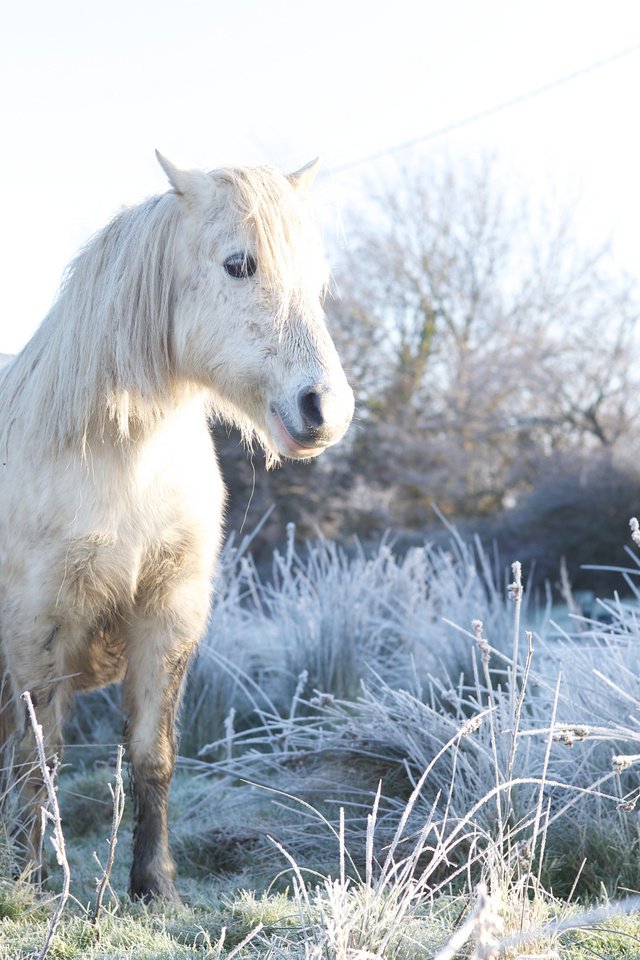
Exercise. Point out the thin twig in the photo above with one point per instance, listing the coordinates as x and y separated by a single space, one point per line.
515 733
118 796
538 813
485 653
515 592
54 816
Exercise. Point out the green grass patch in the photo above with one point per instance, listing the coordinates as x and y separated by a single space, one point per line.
314 916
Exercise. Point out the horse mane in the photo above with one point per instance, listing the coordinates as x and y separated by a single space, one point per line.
82 368
102 355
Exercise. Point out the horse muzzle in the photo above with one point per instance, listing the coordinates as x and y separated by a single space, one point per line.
318 418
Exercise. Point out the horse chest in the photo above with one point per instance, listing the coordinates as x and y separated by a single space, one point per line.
104 577
153 527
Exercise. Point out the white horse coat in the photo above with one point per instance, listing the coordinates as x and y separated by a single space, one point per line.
203 301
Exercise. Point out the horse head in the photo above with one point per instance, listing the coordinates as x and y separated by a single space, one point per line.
248 322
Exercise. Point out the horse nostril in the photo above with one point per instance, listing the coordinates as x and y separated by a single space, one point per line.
311 409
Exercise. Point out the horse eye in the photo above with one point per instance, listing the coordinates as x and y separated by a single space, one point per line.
240 265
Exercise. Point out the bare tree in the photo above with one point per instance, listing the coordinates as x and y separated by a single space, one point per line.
484 340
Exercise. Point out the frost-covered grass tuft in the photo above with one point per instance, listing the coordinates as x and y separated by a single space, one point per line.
353 670
326 618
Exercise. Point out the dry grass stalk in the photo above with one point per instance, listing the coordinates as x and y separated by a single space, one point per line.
485 652
566 593
52 815
118 797
515 593
484 925
239 946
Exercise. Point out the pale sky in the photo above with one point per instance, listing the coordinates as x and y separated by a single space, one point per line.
90 89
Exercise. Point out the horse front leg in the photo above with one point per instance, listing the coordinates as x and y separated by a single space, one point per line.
159 651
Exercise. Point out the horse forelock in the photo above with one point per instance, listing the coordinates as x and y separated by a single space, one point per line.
276 216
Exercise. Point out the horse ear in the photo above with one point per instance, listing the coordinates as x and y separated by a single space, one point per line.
307 174
190 184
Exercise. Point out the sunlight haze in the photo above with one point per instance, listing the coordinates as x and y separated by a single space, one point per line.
90 90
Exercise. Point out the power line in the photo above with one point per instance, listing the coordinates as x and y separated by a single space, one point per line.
490 111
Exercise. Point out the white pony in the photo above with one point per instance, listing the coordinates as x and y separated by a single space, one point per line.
206 299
